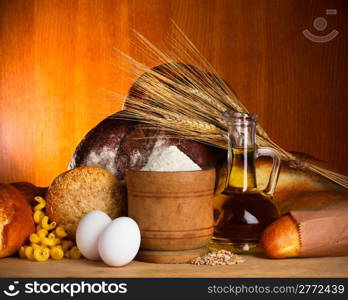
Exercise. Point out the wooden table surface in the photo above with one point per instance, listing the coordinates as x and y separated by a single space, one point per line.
253 267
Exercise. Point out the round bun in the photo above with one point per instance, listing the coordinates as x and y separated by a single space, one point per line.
77 192
281 239
16 220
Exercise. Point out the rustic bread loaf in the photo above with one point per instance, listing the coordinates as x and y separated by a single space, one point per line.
75 193
118 145
296 188
16 221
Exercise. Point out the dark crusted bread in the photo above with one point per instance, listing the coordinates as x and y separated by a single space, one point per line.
118 145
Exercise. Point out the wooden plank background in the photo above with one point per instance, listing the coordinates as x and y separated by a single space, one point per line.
56 62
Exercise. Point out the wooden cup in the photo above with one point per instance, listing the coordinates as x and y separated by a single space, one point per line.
174 210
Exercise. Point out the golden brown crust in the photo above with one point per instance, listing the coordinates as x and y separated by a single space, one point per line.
16 221
79 191
281 239
296 188
303 200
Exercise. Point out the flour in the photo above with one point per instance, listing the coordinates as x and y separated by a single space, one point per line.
169 159
104 158
135 158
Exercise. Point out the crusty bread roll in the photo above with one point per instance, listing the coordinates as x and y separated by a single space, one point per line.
16 220
77 192
281 239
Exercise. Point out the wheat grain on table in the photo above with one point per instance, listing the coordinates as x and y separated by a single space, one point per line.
253 267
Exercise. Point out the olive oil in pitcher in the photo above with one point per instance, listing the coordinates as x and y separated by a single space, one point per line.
242 211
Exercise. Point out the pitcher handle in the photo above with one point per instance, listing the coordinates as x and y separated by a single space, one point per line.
273 179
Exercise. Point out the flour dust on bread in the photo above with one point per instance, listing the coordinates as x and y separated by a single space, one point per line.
116 146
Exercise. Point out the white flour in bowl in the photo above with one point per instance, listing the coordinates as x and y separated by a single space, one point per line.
170 159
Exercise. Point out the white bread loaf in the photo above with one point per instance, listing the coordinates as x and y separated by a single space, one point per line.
296 188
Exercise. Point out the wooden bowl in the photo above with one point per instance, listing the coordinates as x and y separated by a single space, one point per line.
174 210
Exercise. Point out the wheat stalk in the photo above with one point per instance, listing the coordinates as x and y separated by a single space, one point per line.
189 103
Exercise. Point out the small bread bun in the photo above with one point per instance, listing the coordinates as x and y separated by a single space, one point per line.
281 239
16 221
77 192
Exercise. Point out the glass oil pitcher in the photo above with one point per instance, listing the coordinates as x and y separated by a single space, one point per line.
243 211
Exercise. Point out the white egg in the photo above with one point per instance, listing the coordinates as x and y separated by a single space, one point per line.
88 232
120 241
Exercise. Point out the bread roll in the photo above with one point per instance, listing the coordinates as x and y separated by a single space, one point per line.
77 192
281 239
16 220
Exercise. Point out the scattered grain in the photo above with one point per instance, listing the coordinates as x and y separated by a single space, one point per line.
218 258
